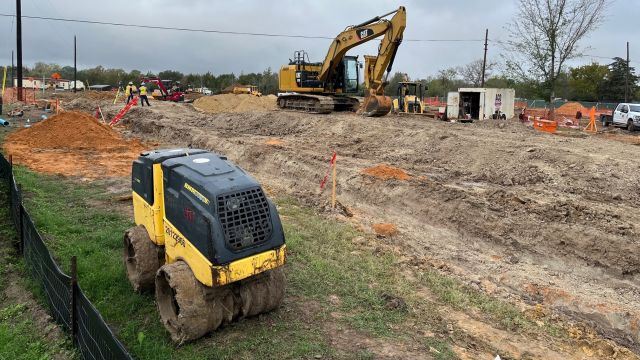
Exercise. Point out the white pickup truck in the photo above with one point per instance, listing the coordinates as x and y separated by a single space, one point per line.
625 115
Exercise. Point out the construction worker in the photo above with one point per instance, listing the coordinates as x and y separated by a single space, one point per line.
143 95
129 91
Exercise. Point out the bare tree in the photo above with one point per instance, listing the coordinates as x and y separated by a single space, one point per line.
472 72
545 34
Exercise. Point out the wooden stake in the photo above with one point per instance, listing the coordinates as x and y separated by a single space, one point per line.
333 189
117 95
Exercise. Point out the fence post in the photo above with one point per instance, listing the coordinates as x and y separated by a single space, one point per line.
10 175
20 217
74 286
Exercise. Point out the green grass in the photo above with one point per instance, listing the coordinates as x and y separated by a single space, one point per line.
440 350
18 340
321 264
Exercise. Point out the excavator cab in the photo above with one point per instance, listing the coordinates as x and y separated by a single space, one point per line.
347 79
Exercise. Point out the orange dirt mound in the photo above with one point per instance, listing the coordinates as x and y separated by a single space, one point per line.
387 172
571 108
385 229
274 142
73 143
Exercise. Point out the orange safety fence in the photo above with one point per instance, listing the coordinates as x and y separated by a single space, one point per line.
549 126
11 96
435 101
569 109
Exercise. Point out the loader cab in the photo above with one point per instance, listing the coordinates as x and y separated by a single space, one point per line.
410 97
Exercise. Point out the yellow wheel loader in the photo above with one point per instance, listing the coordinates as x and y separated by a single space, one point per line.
207 239
409 98
323 87
242 89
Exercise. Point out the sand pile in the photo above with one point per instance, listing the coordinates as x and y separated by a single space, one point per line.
73 143
231 103
386 172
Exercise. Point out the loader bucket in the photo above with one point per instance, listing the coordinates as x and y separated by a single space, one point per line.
376 105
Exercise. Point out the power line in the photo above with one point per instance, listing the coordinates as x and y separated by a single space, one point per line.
580 55
211 31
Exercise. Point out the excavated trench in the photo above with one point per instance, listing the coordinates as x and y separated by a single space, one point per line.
531 214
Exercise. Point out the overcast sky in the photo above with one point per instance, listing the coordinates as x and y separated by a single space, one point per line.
157 50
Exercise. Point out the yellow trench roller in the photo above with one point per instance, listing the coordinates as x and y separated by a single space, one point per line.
207 239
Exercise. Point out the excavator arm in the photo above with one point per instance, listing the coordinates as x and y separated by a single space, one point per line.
359 34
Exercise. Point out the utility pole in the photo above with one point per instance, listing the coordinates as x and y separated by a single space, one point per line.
12 69
19 46
484 62
75 66
626 77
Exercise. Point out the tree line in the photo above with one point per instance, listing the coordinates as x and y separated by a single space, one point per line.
267 81
593 82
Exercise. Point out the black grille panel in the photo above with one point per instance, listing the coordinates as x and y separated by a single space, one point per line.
245 218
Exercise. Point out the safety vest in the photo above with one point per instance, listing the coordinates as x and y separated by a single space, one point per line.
143 90
130 89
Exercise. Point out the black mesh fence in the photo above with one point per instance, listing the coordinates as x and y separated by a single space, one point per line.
55 284
94 338
67 303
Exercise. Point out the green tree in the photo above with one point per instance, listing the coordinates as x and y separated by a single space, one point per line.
613 87
587 81
545 34
392 85
171 75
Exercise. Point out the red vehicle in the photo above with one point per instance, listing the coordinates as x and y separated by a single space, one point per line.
168 91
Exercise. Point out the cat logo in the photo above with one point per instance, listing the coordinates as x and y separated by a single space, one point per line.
364 33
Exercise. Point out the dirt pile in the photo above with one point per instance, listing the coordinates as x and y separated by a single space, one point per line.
571 108
230 103
99 95
75 144
386 172
385 229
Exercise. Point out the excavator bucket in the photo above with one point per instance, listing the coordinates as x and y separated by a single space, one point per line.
376 105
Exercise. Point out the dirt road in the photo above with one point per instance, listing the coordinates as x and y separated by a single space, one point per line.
530 217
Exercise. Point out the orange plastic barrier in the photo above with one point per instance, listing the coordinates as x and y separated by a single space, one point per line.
545 125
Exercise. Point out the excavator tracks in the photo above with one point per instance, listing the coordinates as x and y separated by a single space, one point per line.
190 310
317 104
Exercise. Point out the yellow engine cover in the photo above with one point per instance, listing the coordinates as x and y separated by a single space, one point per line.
178 247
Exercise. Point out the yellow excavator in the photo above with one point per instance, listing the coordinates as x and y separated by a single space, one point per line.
323 87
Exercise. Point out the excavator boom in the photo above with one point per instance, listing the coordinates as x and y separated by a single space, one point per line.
353 36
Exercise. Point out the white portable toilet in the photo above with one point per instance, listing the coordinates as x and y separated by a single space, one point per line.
453 105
